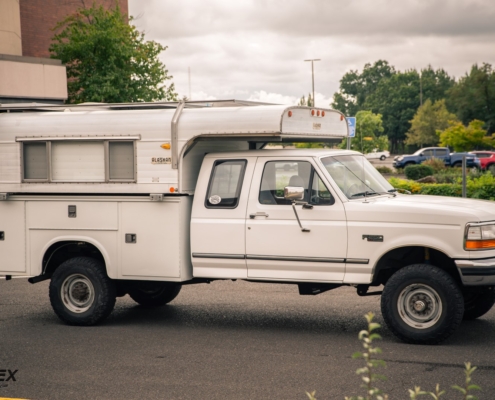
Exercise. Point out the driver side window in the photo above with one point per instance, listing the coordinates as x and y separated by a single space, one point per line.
279 174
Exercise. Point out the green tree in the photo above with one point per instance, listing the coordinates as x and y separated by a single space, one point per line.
473 97
396 99
306 102
466 138
368 128
429 118
393 94
434 84
355 87
108 60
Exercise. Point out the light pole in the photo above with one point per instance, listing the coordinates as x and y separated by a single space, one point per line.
313 77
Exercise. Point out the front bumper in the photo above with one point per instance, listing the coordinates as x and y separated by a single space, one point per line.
477 272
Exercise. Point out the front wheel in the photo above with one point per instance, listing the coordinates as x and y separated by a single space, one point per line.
154 294
422 304
478 301
383 158
81 293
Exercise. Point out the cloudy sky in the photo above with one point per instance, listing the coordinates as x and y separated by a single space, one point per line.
254 49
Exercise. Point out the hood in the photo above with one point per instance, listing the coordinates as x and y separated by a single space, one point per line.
421 209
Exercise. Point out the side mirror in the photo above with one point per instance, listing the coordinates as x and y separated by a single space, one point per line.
293 193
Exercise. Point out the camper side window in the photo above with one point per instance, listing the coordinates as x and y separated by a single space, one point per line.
35 161
79 161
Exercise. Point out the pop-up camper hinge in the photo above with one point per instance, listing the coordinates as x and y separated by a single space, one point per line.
4 196
156 197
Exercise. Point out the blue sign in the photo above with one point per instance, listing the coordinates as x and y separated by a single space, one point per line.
351 121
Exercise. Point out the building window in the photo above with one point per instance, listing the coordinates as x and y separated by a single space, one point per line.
79 161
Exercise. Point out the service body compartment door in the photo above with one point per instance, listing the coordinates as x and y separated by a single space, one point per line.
218 220
12 237
276 247
153 239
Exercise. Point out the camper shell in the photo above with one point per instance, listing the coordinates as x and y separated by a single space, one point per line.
141 148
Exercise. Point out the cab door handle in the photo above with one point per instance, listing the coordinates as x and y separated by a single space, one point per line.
258 214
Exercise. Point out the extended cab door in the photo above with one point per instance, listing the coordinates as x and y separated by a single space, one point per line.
276 247
218 222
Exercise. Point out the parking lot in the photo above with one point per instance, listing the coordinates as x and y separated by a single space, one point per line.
225 340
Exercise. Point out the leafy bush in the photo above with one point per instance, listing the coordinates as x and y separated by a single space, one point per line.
477 186
384 169
436 164
416 172
372 362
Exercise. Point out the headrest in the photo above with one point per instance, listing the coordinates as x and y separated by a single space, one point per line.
296 180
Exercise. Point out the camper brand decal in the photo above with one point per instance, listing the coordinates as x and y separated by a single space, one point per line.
161 160
316 126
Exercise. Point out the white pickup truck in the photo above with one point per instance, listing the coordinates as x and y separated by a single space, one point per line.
123 199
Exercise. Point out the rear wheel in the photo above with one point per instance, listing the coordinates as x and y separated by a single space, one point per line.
154 294
382 158
422 304
457 164
81 293
478 301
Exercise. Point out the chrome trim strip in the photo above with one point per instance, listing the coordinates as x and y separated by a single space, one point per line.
300 259
357 261
222 256
280 258
480 263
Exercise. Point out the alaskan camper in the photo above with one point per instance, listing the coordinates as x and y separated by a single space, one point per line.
106 200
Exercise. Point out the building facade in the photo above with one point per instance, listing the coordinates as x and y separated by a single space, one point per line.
27 74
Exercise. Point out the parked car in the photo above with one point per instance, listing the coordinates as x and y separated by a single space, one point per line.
442 153
487 160
377 154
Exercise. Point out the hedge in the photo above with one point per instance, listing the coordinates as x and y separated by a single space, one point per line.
476 188
416 172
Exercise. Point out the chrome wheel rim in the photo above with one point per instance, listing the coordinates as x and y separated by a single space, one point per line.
77 293
419 306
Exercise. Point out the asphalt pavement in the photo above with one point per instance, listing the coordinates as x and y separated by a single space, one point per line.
225 340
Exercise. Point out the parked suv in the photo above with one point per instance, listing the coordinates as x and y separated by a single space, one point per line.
442 153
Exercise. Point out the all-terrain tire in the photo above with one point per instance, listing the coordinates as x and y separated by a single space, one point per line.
478 301
422 304
153 294
81 293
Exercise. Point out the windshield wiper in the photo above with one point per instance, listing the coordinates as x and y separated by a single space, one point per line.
373 193
367 193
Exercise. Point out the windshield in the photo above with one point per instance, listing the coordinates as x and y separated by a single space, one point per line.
418 152
355 176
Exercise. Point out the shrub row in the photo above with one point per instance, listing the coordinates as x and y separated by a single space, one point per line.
482 187
418 171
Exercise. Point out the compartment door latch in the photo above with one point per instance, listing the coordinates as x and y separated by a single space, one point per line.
130 238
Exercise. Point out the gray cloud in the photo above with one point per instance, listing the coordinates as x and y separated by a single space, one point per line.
249 48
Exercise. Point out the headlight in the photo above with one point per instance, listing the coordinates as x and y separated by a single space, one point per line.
480 236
